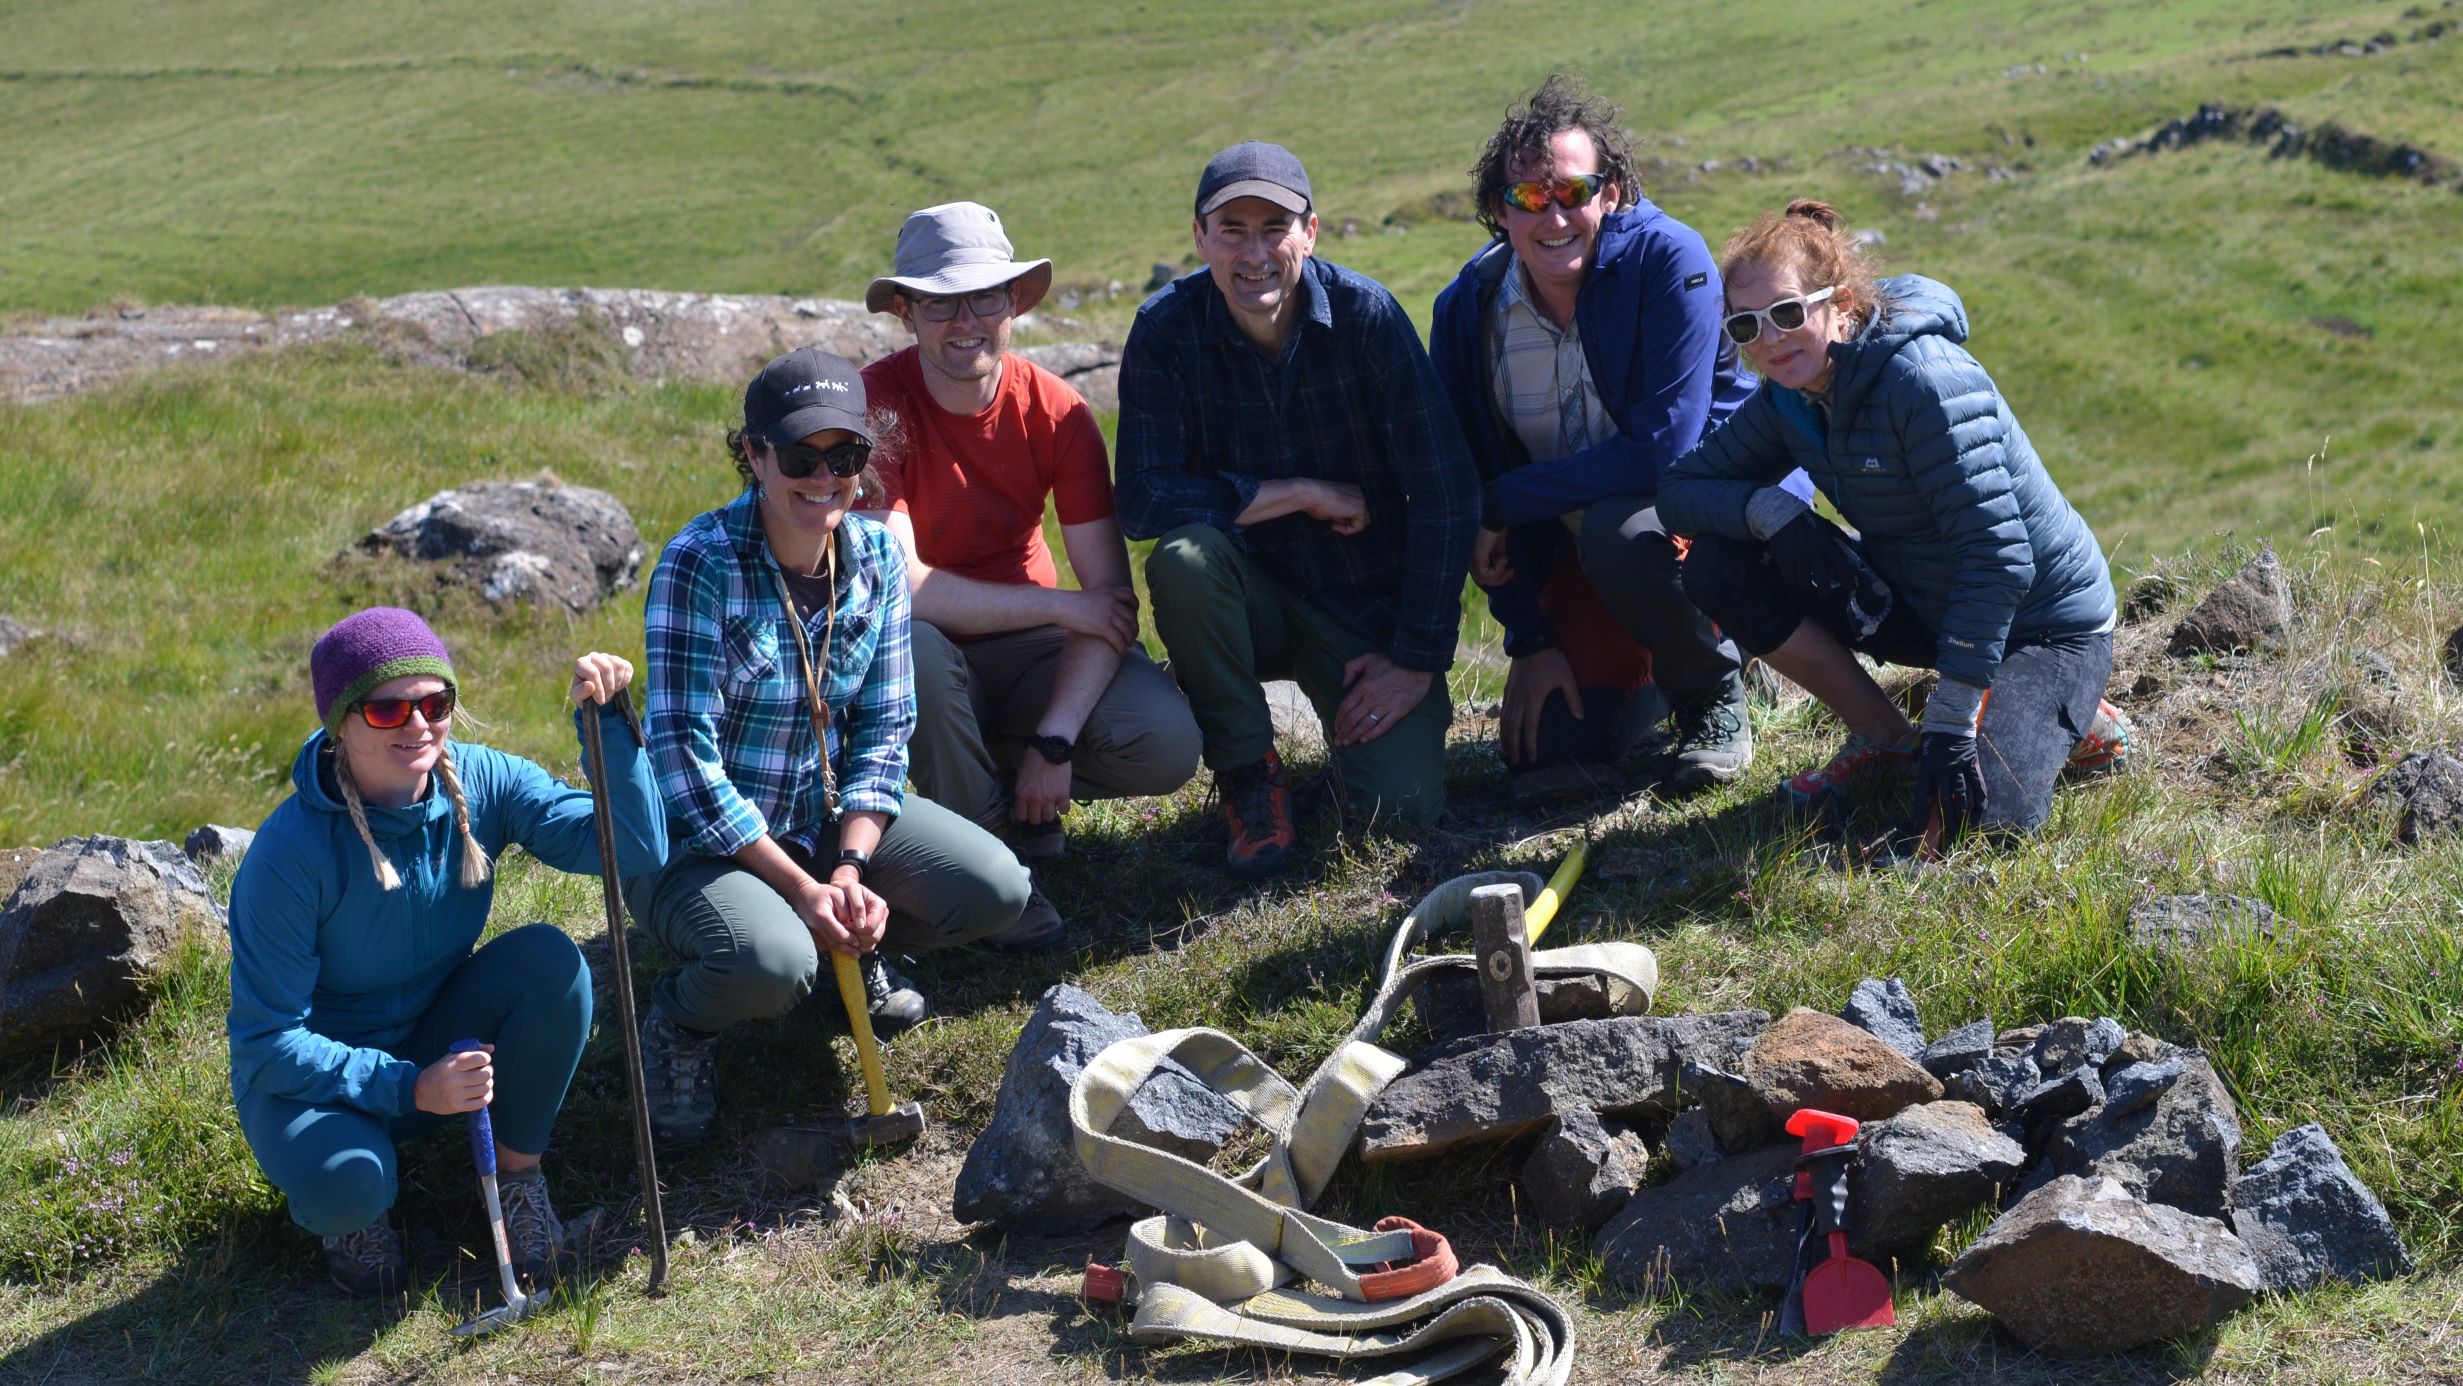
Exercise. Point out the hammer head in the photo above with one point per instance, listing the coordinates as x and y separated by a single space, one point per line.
504 1315
893 1127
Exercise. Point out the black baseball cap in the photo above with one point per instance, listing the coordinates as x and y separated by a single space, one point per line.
1254 168
802 393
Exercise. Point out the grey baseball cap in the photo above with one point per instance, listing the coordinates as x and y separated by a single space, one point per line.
958 248
802 393
1254 168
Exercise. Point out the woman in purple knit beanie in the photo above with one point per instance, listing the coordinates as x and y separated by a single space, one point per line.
355 957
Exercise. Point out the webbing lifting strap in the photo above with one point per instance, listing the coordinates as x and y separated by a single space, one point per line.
1218 1263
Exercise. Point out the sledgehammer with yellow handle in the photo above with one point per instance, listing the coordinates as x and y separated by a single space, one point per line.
1542 912
882 1123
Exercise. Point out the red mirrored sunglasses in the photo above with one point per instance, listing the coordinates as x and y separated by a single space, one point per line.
385 714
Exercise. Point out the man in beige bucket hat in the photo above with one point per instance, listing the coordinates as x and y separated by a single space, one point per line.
1028 694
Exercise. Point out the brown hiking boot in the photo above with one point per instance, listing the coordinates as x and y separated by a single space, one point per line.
1257 804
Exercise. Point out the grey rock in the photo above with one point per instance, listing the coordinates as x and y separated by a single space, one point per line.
1090 368
1296 724
14 633
1162 275
1959 1050
2064 1095
82 937
1730 1226
2249 611
531 542
2071 1041
1736 1117
1922 1168
2308 1219
214 841
1023 1172
2147 596
1451 1008
2139 1048
2429 786
1884 1010
1579 1174
2186 923
1999 1082
2080 1268
1491 1088
2136 1086
2182 1149
1689 1140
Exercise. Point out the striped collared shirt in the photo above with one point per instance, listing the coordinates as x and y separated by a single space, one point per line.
729 734
1541 378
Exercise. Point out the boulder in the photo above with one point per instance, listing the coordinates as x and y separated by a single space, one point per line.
1959 1050
1997 1084
1297 726
1807 1059
1492 1088
2063 1095
2186 923
1728 1226
2182 1149
2249 611
1689 1141
1023 1172
1580 1173
2072 1041
1884 1010
1922 1168
2134 1086
2308 1219
85 932
2080 1268
1090 368
214 842
538 542
2429 787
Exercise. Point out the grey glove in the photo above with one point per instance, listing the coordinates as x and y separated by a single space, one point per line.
1772 509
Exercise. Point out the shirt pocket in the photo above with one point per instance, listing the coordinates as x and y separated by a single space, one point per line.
749 650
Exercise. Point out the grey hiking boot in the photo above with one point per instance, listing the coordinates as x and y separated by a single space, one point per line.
1039 928
1714 737
1038 842
367 1262
532 1228
679 1072
895 1004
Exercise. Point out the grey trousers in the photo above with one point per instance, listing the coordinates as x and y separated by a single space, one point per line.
977 702
747 954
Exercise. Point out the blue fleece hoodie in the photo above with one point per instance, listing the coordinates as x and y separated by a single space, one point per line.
330 971
1921 454
1648 313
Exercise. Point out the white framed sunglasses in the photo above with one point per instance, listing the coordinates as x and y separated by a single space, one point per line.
1786 315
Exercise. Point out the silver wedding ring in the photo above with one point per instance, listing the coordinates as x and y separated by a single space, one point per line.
1376 717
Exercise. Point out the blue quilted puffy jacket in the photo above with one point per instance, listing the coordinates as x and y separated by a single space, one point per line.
1919 452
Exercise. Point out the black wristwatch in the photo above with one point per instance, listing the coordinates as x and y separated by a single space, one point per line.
1056 749
855 857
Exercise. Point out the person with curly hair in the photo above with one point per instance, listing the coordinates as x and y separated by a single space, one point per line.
355 954
782 695
1582 353
1966 558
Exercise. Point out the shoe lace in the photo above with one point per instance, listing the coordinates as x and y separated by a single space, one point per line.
531 1224
879 982
371 1248
1706 720
1250 797
685 1064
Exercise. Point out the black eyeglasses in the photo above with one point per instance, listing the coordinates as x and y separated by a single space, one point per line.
796 461
983 303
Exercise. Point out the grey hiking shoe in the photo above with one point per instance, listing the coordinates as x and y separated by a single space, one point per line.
1714 737
367 1262
1034 842
532 1229
680 1077
1039 928
895 1004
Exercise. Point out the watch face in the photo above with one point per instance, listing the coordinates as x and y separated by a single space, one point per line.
1054 749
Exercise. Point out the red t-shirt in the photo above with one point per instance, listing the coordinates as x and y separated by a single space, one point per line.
974 485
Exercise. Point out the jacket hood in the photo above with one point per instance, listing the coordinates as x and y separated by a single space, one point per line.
317 793
1914 307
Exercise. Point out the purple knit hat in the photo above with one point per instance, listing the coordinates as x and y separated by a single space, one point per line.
365 649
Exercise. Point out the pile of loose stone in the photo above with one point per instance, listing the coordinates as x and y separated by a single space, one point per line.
2111 1157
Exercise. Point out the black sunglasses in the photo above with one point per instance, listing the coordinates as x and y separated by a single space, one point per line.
386 714
796 461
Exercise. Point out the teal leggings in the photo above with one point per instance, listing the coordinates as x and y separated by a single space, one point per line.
527 992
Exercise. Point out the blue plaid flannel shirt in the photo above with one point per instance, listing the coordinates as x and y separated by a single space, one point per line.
1205 418
729 736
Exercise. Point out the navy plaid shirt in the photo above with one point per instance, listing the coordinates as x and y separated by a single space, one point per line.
1205 418
729 734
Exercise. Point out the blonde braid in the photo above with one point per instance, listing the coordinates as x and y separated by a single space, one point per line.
386 876
474 856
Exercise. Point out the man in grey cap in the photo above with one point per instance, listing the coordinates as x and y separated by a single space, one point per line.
1028 694
1285 441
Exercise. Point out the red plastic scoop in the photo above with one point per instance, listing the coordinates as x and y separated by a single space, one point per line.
1842 1292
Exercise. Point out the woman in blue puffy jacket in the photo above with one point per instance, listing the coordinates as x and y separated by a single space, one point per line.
1965 557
